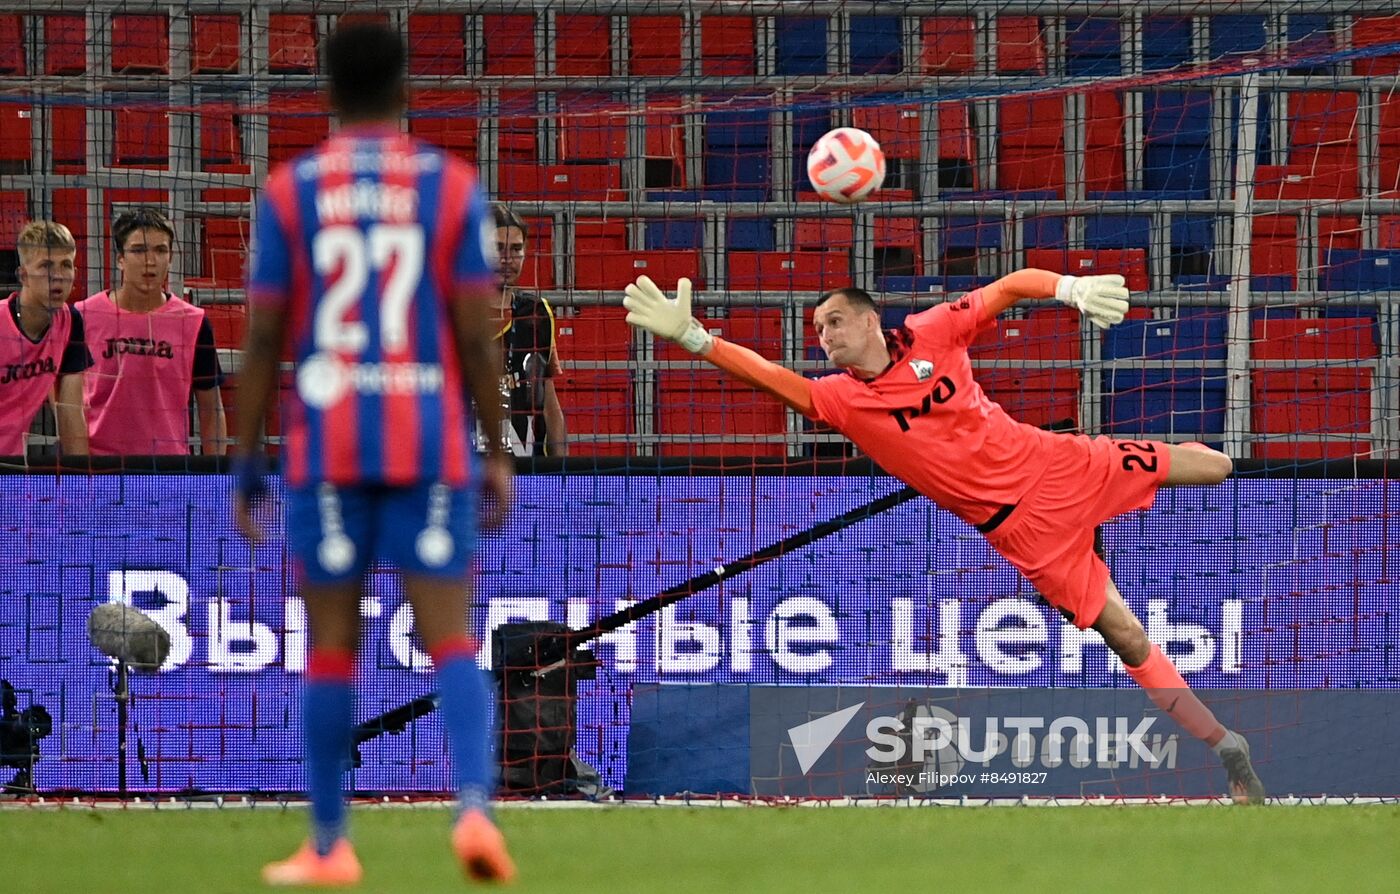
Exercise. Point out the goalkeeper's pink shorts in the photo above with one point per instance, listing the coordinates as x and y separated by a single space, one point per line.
1049 536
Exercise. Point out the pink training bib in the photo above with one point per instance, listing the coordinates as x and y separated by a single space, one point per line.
138 389
28 371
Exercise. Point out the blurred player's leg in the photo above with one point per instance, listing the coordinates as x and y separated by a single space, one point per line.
327 860
439 605
1147 664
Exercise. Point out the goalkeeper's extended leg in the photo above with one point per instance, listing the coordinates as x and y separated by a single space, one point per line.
1155 673
439 606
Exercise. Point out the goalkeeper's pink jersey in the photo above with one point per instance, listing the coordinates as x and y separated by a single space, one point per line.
926 421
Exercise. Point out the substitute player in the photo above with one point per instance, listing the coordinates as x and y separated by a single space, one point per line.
909 400
41 342
374 256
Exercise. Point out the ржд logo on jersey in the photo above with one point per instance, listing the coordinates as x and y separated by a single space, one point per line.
942 392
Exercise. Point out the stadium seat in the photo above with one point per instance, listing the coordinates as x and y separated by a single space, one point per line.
1305 181
1185 404
1273 254
895 127
1361 270
876 45
437 45
538 271
1336 233
963 241
16 146
727 45
592 127
1388 161
1369 31
751 234
1031 144
1323 131
1388 231
1104 143
291 43
224 250
12 42
670 233
1130 262
1118 231
1325 400
592 334
617 270
1310 34
70 206
598 405
65 44
221 150
300 123
799 45
517 128
1007 362
1176 155
704 402
509 44
584 182
949 45
654 45
910 284
1192 249
1020 45
216 44
445 118
1166 42
1237 35
140 44
14 212
141 136
1194 334
583 45
68 126
823 233
768 271
592 235
1093 47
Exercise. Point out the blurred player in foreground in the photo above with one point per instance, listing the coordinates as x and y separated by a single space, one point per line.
374 254
909 400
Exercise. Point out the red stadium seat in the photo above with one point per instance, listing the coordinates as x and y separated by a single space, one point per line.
1273 253
445 118
216 45
141 138
1388 235
1368 31
1323 129
583 44
1306 182
1031 144
788 271
299 122
823 234
655 43
949 45
224 250
1388 162
12 60
69 139
726 45
229 322
140 44
291 43
70 209
1329 338
1131 262
591 131
598 405
538 272
65 44
509 44
1337 232
1332 400
516 128
14 213
221 150
599 182
1020 45
599 235
615 271
592 333
16 148
1104 144
895 127
437 45
1007 362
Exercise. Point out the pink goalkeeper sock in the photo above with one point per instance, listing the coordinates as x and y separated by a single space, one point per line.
1168 691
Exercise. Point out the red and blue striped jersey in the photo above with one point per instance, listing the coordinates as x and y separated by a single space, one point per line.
362 242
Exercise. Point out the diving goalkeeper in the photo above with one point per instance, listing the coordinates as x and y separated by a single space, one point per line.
909 400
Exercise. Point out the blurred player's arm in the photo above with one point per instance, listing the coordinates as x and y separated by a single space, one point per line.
1103 299
68 413
649 308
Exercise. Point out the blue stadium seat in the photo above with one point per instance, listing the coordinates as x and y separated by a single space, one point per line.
893 317
808 124
741 127
751 234
1179 169
1092 48
1197 334
728 173
1192 247
965 283
1166 42
1361 270
1164 401
1045 232
876 45
911 284
971 232
1118 231
1174 116
800 45
667 234
1231 34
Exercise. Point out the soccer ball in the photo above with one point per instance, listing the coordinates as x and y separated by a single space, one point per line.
846 165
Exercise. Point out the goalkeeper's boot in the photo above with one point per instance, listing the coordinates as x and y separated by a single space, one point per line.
1245 787
481 849
308 869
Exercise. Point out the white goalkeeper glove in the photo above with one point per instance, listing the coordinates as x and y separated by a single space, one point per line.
1102 299
648 308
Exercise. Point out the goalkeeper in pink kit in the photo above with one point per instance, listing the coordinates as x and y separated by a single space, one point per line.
909 400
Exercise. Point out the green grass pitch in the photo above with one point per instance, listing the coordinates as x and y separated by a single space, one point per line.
672 850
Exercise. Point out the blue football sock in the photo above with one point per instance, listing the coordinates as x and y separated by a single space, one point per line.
327 716
464 709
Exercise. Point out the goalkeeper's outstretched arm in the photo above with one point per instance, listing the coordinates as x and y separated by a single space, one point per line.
1103 299
648 308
